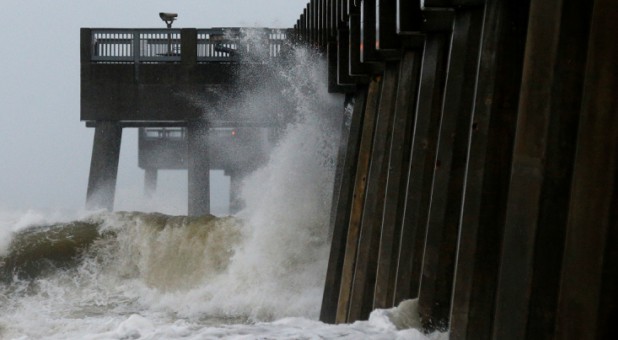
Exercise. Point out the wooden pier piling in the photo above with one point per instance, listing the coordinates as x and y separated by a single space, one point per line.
481 177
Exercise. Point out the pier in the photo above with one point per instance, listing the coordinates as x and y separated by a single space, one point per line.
172 84
479 171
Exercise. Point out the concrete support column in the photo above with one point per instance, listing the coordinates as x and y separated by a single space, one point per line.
198 169
236 203
394 197
589 274
104 165
150 182
421 166
489 169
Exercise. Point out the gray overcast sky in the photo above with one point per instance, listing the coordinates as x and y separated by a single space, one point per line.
44 148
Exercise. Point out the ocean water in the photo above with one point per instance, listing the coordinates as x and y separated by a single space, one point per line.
256 275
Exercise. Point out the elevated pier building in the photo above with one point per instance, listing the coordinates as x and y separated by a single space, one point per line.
173 84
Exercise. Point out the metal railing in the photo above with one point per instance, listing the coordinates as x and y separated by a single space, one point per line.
164 133
111 45
239 44
136 45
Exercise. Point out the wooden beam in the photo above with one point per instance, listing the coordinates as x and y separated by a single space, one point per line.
542 169
447 190
590 265
488 173
361 296
394 199
360 182
421 166
340 211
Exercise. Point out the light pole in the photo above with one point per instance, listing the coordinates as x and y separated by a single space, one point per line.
168 18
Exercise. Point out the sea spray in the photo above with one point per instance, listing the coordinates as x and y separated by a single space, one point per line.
279 268
160 276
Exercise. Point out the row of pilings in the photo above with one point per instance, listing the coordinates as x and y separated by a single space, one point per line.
479 170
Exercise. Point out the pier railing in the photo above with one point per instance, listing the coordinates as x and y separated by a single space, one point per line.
114 45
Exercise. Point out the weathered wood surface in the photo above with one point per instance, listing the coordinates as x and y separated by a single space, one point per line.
488 170
358 199
447 188
494 199
340 212
361 297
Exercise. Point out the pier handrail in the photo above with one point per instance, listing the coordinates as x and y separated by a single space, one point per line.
154 45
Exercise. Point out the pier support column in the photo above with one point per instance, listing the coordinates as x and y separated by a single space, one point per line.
362 289
488 170
198 169
340 209
104 165
449 173
150 182
358 199
236 203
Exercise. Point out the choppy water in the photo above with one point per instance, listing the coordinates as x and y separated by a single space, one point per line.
153 276
257 275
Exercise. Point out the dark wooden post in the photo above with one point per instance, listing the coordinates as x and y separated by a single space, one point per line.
542 169
361 299
488 173
421 166
394 199
198 169
447 190
588 300
358 199
104 165
188 45
150 182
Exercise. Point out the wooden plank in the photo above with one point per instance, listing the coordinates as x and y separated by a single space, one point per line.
588 301
340 211
541 171
394 200
313 23
447 190
421 166
303 26
322 23
358 199
488 173
566 99
361 297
